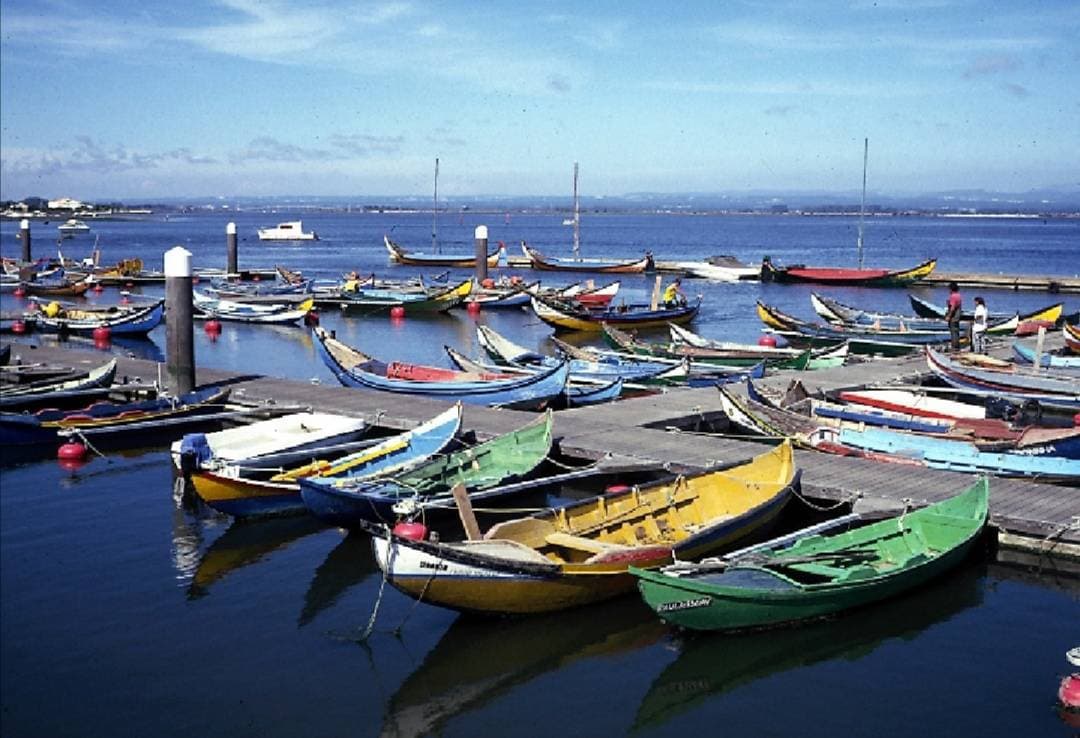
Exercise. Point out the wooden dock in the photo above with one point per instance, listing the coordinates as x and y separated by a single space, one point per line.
673 429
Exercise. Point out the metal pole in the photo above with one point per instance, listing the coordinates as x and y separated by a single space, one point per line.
481 235
24 237
230 249
179 323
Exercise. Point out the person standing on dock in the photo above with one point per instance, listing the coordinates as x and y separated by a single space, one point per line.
952 314
978 327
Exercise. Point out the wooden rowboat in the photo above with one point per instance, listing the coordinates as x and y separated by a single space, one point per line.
581 554
566 317
121 320
600 266
846 277
1026 354
812 575
461 261
1071 333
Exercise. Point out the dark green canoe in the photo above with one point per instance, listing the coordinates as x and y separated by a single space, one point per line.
818 575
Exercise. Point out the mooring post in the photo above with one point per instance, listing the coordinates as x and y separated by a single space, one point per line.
230 249
481 252
24 238
179 323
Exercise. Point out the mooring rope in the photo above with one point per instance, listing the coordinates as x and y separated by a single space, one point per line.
390 554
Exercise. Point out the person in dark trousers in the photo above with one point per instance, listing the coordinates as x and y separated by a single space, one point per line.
952 314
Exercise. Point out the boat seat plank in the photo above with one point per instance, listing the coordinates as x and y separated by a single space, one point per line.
580 543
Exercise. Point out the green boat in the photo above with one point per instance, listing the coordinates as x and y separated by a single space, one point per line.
731 355
809 575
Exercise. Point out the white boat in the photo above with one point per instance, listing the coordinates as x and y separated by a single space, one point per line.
73 225
293 230
280 441
720 269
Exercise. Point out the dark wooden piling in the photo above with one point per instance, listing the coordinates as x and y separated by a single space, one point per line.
481 253
230 249
24 238
179 321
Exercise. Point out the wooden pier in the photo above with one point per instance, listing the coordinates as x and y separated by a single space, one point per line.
673 429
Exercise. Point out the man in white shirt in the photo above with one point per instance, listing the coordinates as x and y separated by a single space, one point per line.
978 327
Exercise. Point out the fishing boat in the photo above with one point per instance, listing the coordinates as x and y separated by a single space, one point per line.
1026 354
371 301
731 354
861 340
460 261
46 426
58 285
582 553
839 276
926 309
576 263
52 388
827 357
356 369
1045 387
566 317
292 230
812 574
503 295
508 457
269 443
1042 453
240 491
245 312
590 296
120 320
842 315
1071 334
913 402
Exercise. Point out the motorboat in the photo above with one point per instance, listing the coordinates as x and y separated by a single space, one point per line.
72 226
292 230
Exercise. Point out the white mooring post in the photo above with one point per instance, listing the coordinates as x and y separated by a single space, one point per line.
179 322
481 252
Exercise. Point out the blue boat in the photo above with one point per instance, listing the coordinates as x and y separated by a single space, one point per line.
355 369
1026 354
582 395
1052 459
1048 388
45 426
238 490
501 460
120 320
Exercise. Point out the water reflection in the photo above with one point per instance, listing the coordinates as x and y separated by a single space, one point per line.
478 660
348 564
135 347
245 543
712 664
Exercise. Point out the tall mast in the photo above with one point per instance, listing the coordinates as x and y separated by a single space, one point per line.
577 217
862 203
435 210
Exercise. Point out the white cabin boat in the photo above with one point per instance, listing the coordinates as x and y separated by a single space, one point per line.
290 231
73 225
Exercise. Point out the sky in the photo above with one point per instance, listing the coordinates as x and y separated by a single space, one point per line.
105 99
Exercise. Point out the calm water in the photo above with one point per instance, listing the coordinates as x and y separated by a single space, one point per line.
124 612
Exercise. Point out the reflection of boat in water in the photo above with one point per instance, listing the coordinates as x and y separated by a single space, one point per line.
479 660
710 665
247 542
348 564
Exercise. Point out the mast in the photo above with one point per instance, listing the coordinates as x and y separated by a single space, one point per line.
435 210
577 217
862 203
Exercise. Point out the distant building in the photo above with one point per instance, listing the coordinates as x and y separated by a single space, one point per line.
65 203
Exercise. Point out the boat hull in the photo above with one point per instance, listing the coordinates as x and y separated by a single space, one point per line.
847 277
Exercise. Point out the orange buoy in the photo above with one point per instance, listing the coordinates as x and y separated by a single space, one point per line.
412 531
397 311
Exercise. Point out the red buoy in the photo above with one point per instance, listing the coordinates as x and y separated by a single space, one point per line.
18 327
19 292
397 311
487 283
616 489
1069 692
212 328
1076 420
311 318
767 340
472 307
412 531
71 451
98 288
102 334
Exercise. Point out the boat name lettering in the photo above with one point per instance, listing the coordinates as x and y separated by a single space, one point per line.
685 604
436 565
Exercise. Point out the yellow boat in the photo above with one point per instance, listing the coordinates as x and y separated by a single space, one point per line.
579 554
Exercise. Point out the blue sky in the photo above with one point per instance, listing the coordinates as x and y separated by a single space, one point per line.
100 98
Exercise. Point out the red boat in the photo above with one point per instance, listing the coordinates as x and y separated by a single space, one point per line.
842 276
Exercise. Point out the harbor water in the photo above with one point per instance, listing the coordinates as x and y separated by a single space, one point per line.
125 610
